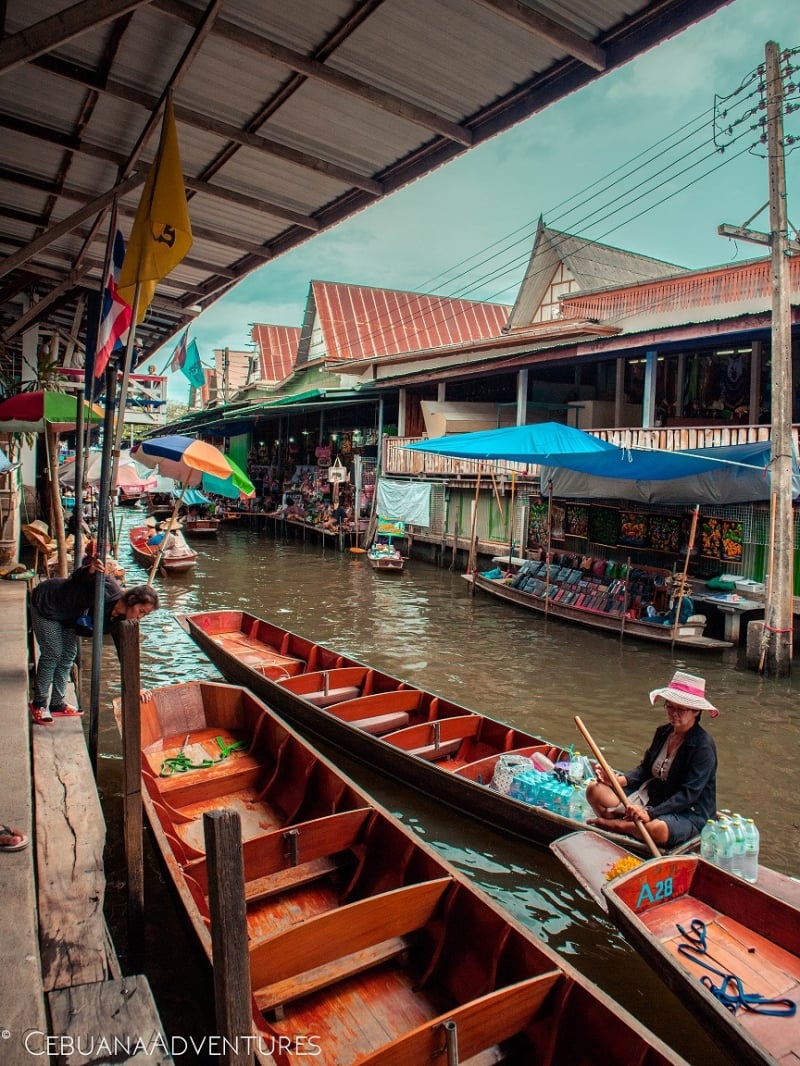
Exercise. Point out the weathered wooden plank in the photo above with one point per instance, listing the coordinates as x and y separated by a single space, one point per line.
70 839
108 1021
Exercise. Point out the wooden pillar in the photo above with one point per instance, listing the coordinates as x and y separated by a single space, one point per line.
649 398
680 384
401 413
619 392
223 839
522 397
441 389
756 353
132 783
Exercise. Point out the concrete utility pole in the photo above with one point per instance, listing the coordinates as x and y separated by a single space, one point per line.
778 617
779 611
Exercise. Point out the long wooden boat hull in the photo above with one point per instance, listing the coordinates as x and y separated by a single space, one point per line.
385 564
145 554
357 953
685 636
437 746
200 527
737 932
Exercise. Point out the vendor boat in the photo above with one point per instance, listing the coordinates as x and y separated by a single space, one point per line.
729 948
365 948
382 554
463 758
176 558
596 599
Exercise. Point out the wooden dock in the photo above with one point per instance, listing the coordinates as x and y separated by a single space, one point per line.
61 977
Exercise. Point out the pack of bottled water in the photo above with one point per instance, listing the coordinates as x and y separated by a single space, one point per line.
732 842
561 790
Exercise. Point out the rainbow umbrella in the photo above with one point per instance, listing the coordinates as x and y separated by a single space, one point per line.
195 464
34 412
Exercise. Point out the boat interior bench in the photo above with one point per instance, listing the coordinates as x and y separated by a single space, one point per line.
292 855
437 739
382 712
483 1025
335 945
326 687
239 770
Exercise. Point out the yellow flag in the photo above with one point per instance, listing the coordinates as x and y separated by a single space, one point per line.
162 233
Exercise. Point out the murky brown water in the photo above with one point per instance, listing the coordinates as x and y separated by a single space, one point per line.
424 626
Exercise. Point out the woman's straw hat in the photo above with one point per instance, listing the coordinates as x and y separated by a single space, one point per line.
687 691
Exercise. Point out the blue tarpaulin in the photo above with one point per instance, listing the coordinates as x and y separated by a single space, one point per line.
191 497
731 474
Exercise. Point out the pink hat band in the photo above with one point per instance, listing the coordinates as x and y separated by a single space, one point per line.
691 690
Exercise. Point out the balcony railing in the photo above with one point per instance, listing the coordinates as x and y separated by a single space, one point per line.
401 462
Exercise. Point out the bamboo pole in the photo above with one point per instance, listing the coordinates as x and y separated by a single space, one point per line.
625 598
162 546
682 583
511 517
614 783
472 558
768 613
130 672
548 547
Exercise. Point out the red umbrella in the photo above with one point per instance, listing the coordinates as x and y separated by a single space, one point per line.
33 412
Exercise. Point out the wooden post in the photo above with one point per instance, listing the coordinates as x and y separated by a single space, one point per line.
472 559
56 512
132 778
223 838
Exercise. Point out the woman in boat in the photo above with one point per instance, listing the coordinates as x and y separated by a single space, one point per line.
61 609
673 790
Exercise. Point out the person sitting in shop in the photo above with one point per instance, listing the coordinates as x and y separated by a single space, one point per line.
667 618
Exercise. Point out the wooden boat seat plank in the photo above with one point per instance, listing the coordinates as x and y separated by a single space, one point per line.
332 695
194 786
434 752
324 976
351 928
405 700
268 855
291 877
481 1024
456 728
382 723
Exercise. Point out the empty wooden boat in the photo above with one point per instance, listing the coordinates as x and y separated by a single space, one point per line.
431 743
365 947
731 948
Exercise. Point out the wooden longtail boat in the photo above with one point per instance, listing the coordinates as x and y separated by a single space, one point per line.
365 947
440 747
714 939
178 557
200 525
385 559
598 610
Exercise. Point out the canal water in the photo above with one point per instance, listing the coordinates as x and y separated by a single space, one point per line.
424 626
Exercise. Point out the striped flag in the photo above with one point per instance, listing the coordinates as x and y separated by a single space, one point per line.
186 358
179 355
115 318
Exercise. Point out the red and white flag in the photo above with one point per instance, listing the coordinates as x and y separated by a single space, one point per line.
115 320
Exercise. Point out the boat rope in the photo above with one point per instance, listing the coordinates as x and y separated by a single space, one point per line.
730 991
181 763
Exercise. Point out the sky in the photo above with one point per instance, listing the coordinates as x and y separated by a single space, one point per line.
466 230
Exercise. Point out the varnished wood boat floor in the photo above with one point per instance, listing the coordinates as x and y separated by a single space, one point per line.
763 967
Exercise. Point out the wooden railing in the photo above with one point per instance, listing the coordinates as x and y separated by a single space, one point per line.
398 460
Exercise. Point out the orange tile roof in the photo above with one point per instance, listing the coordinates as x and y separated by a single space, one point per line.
350 322
277 350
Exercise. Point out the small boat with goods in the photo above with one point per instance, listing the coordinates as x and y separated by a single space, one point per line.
176 558
728 946
601 595
382 554
495 772
356 929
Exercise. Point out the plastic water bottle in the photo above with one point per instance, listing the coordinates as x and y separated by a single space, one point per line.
737 851
751 842
576 770
725 847
578 804
708 841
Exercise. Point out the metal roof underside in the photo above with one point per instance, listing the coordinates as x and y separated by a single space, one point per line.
291 117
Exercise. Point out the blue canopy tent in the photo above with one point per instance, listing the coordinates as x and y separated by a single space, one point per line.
580 465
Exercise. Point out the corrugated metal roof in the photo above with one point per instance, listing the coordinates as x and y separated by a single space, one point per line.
350 322
277 351
291 117
591 264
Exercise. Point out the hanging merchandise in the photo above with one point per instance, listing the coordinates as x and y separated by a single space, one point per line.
337 473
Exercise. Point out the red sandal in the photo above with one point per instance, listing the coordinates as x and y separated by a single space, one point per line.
41 715
64 710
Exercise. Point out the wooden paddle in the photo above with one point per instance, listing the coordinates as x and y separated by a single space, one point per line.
612 780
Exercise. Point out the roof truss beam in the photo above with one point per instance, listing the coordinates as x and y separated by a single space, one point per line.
20 48
550 30
313 69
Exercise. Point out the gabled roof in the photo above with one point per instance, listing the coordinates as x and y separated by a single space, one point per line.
277 350
351 322
591 264
708 294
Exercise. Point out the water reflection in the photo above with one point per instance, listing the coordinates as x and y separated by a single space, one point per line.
424 625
